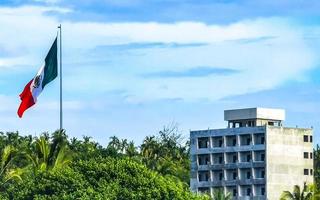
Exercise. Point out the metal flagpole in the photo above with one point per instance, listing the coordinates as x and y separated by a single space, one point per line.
60 52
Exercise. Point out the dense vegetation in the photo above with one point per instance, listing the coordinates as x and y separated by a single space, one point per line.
53 166
56 167
317 166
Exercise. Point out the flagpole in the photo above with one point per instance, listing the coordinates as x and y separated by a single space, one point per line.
60 52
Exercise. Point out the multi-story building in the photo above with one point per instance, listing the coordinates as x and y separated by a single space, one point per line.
255 157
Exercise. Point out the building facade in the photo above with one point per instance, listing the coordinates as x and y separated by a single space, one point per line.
255 157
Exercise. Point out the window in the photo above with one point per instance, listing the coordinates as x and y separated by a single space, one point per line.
234 175
270 123
305 138
203 143
220 160
262 157
234 142
248 191
234 192
204 159
311 138
220 176
262 174
310 155
248 175
305 155
248 158
204 190
248 141
311 172
262 140
234 158
220 143
204 176
207 161
263 191
306 172
250 123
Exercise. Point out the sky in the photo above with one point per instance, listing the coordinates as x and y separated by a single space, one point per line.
131 67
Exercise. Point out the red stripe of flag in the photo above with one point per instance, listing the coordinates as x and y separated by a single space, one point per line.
26 98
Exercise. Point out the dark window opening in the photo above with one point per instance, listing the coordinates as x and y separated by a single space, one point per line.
248 158
234 142
306 172
248 141
248 191
262 140
271 123
311 172
311 156
248 175
305 155
305 138
220 143
204 176
234 159
204 190
207 160
220 160
262 157
234 175
262 174
234 192
263 191
220 176
310 138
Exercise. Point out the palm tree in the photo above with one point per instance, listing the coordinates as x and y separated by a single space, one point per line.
131 150
315 191
7 172
218 194
297 194
45 158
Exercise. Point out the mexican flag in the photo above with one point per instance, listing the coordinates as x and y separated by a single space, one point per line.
45 75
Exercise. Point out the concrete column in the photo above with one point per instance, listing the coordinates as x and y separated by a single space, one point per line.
238 140
252 139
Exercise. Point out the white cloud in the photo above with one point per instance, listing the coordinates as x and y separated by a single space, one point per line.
263 65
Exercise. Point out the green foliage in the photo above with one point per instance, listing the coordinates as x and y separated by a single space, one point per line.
317 166
102 178
218 194
297 193
54 167
167 154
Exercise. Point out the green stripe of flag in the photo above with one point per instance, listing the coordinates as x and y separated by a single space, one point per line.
51 65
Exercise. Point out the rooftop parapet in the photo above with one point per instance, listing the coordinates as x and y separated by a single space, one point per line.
254 113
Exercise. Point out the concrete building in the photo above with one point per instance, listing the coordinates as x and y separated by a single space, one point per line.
255 157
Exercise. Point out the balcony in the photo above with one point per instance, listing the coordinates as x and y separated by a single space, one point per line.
245 181
230 182
259 181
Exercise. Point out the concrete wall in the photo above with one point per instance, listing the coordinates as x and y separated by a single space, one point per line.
285 161
254 113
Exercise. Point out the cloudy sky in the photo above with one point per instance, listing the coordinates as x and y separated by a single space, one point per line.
133 66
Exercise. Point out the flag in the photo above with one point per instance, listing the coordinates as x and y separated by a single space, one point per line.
45 75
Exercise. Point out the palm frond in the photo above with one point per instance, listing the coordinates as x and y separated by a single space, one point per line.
286 195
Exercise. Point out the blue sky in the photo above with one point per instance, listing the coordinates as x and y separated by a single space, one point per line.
133 66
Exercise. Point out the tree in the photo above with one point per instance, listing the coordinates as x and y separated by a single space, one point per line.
7 170
100 178
48 156
218 194
297 194
317 166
